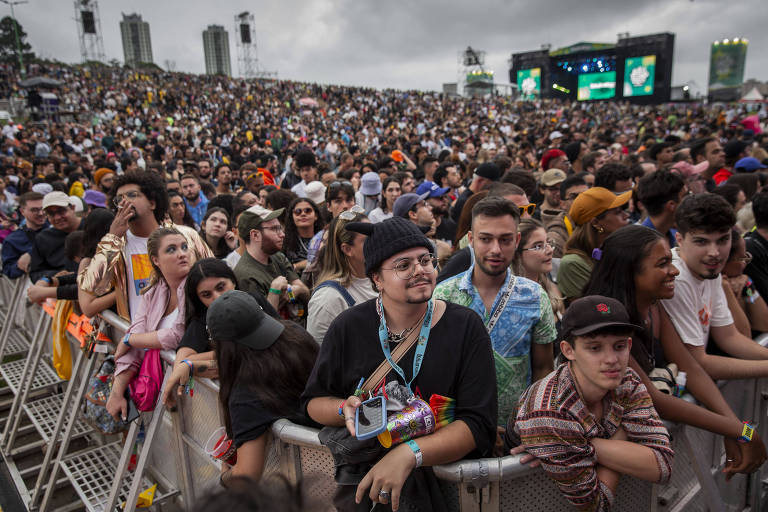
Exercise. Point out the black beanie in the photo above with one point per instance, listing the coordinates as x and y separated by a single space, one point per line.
572 151
388 238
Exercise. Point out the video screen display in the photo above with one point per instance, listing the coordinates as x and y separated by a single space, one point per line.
596 86
529 83
639 76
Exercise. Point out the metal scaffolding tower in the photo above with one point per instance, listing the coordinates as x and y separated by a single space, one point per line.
89 30
247 55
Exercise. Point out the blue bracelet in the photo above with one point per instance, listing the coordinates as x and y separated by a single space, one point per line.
126 338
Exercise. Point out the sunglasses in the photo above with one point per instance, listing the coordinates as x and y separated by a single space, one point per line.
352 213
529 209
305 211
339 183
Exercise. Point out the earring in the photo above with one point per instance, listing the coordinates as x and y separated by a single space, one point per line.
600 229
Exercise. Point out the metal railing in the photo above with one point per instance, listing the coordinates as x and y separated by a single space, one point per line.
173 456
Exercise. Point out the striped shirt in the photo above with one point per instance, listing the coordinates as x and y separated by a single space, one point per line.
554 424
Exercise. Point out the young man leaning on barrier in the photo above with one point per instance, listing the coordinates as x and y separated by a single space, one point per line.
450 361
592 419
700 308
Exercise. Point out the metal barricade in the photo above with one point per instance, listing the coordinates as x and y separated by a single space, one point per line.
173 456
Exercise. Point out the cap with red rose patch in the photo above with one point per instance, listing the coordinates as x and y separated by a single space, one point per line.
593 312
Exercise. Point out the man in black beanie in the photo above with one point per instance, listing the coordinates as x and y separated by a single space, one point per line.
450 356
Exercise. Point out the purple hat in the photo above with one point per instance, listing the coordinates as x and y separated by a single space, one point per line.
95 198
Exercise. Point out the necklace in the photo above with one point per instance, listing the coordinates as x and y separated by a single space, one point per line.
395 337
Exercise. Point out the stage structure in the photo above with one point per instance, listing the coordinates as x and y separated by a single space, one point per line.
89 30
726 69
474 79
635 69
247 55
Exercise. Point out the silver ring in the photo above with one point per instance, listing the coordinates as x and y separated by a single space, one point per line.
384 495
728 460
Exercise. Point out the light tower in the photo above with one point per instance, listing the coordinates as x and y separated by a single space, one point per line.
473 77
247 56
89 30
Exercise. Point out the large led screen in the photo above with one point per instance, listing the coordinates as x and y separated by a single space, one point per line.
596 86
529 83
639 75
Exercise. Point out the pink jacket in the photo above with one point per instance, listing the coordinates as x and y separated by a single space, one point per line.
150 311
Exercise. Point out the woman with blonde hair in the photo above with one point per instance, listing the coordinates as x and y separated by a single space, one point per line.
342 280
159 322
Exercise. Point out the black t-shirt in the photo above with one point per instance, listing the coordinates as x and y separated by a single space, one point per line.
757 270
458 263
446 231
250 419
458 363
459 204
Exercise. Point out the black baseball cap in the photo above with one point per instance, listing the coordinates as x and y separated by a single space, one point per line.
489 171
236 317
593 312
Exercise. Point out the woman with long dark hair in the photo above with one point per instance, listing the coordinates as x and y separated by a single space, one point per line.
303 221
390 191
177 210
263 366
95 226
208 279
216 230
635 267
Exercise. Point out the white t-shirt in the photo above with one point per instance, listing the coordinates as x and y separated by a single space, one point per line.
138 267
232 259
298 189
697 305
168 320
327 303
377 215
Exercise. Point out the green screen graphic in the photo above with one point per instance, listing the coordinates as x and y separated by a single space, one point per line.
726 65
639 74
529 83
597 86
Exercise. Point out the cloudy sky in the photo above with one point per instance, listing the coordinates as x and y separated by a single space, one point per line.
405 44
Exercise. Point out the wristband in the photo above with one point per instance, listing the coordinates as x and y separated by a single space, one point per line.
746 433
275 291
190 365
126 338
416 452
341 407
47 279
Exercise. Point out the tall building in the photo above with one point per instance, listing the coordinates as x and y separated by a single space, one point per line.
137 45
216 47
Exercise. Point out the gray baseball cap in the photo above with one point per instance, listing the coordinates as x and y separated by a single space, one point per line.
236 317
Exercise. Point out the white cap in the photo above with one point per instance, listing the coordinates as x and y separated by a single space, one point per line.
315 191
555 135
56 198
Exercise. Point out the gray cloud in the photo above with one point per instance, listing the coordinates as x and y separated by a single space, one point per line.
405 44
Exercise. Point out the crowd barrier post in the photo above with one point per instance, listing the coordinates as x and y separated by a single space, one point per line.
141 462
68 415
16 302
26 382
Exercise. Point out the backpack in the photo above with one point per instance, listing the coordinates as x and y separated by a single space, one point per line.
336 286
94 408
145 388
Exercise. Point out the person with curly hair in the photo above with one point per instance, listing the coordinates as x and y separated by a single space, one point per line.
121 262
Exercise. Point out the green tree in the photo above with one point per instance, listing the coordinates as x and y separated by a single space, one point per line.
8 48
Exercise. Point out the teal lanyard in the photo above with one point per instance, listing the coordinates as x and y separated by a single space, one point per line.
421 344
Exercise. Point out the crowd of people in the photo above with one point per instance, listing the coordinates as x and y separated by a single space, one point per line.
532 267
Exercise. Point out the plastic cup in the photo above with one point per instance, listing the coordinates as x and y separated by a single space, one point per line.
221 447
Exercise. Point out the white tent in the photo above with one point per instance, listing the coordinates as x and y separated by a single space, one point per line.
753 95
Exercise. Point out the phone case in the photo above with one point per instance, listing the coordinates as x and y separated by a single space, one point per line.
382 422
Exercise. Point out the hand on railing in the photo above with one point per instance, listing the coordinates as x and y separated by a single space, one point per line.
743 457
529 459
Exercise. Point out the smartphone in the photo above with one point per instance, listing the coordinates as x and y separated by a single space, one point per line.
133 412
371 418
